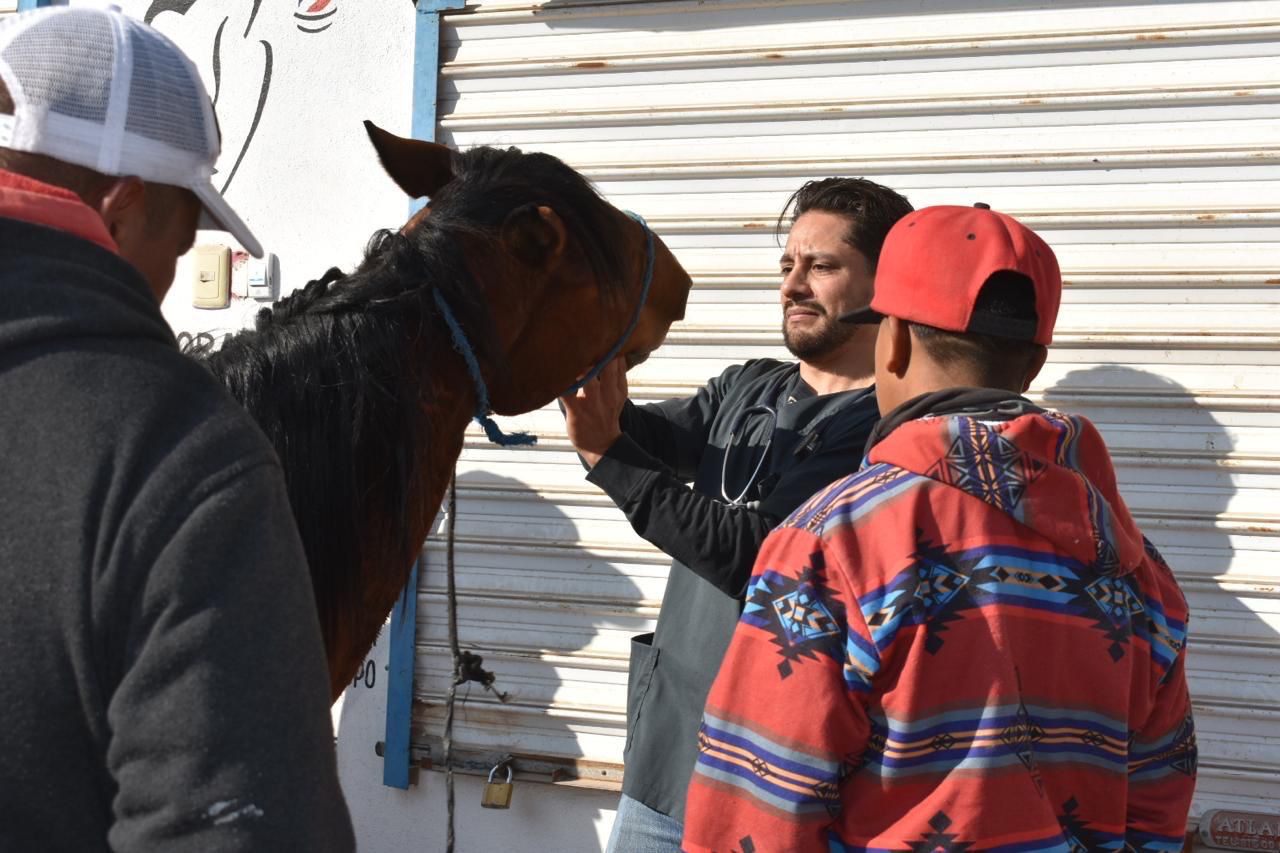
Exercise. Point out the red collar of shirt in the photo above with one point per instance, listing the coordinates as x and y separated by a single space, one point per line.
44 204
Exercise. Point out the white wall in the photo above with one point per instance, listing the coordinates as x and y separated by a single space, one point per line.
309 184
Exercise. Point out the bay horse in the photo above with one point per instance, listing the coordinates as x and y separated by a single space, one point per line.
356 381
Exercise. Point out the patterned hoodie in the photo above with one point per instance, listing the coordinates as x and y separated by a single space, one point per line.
966 645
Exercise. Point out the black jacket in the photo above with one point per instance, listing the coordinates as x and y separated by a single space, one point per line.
165 686
666 445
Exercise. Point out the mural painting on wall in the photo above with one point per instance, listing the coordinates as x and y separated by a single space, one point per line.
317 16
252 57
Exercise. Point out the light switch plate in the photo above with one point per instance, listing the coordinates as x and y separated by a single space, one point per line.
211 277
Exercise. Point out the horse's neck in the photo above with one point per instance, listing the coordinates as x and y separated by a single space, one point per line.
448 413
447 408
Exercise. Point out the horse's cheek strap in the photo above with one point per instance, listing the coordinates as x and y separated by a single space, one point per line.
635 317
481 416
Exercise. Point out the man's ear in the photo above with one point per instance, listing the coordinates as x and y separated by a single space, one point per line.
123 207
899 345
535 234
1037 363
419 168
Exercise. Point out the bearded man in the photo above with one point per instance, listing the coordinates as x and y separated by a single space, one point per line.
705 478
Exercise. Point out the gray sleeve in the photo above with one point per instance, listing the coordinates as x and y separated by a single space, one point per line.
675 432
221 738
716 541
646 472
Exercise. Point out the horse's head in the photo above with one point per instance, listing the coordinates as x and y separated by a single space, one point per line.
354 380
560 270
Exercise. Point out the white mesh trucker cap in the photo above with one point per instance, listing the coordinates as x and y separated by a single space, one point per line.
101 90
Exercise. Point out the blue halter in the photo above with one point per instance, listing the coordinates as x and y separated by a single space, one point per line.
463 346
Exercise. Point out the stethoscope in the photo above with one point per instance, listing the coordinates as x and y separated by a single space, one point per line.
764 453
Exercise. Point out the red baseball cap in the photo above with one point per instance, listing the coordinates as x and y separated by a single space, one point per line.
935 261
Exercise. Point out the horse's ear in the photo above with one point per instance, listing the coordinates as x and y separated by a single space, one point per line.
535 234
419 168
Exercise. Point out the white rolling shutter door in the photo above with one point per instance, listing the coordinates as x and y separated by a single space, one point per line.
1141 139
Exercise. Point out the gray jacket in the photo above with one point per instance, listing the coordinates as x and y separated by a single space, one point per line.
666 446
165 685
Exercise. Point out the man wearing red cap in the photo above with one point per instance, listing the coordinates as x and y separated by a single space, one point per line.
968 644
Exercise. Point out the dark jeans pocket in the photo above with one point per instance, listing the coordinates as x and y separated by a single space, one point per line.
644 660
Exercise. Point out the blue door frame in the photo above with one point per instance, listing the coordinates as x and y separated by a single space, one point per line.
404 618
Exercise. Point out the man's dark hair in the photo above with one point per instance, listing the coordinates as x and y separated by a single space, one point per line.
996 361
871 209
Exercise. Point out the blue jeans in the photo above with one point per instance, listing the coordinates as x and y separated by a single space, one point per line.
640 829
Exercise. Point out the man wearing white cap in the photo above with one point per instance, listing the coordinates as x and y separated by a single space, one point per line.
165 686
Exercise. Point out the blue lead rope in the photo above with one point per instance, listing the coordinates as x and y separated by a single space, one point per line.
463 346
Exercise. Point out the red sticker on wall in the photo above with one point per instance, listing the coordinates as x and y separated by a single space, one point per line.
317 16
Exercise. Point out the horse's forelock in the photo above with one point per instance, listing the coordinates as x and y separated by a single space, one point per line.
489 183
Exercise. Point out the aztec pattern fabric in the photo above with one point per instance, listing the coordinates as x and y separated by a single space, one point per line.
968 645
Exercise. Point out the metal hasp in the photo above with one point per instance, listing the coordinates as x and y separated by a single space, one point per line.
404 618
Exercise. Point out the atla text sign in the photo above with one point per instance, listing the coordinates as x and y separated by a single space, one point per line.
1232 830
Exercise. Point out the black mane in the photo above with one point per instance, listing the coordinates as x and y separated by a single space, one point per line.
327 371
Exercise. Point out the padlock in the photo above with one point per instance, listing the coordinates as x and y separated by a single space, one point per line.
497 795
